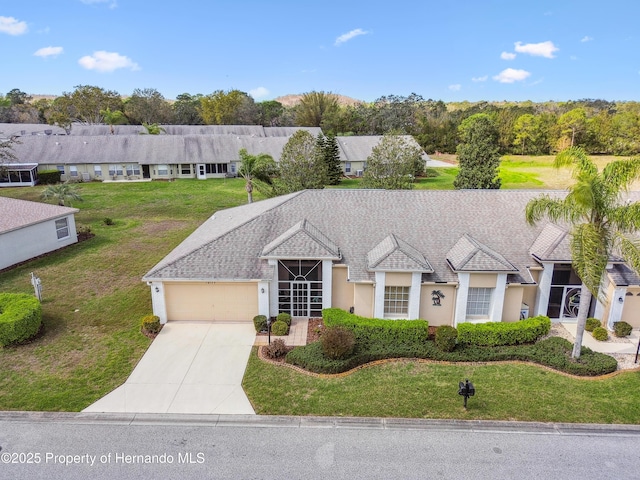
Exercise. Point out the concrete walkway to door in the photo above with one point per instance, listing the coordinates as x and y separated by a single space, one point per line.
191 367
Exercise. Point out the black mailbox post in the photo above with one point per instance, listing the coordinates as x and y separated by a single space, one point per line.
269 329
466 390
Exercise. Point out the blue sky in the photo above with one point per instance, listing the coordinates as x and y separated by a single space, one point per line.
448 50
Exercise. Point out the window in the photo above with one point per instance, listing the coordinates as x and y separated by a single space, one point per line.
62 228
73 170
163 170
216 168
185 169
60 169
233 168
97 170
396 301
115 170
133 169
479 301
347 167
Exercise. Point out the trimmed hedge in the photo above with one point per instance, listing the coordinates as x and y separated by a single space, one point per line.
446 338
279 328
622 329
20 317
49 177
600 334
150 324
260 323
284 317
504 333
377 329
591 324
338 342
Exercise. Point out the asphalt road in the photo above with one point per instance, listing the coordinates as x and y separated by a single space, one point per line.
82 446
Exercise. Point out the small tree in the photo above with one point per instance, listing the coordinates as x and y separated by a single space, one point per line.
6 153
152 129
301 164
330 152
113 117
259 167
478 155
392 164
62 193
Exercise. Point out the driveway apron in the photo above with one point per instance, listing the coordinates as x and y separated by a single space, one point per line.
191 367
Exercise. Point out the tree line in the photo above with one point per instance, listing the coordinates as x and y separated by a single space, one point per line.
597 126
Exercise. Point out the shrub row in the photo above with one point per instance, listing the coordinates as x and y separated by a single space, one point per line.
504 333
49 177
20 317
554 352
377 329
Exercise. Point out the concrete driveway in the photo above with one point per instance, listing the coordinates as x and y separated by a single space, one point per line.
191 367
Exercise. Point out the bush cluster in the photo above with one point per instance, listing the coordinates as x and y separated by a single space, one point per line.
20 317
279 328
337 342
276 349
622 329
150 324
446 338
504 333
284 317
600 334
49 177
591 324
260 323
377 329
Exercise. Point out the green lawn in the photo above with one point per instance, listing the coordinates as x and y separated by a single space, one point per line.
94 300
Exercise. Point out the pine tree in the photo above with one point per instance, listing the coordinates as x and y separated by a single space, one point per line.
478 154
330 153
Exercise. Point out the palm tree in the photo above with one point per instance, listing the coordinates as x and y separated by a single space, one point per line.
259 167
152 129
62 193
113 117
600 222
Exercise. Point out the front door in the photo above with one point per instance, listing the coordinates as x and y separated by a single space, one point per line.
202 171
146 173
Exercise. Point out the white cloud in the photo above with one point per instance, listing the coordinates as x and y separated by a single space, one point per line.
12 26
102 61
507 56
112 3
586 38
511 75
542 49
345 37
259 92
484 78
455 88
48 52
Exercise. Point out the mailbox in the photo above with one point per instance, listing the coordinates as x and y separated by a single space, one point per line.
466 389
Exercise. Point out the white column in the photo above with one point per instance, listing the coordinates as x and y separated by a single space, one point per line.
461 298
497 302
327 283
263 298
544 289
273 292
158 302
616 306
378 295
414 295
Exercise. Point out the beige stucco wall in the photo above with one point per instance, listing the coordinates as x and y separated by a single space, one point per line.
631 312
512 304
341 290
529 297
397 279
609 295
363 299
483 280
442 315
211 301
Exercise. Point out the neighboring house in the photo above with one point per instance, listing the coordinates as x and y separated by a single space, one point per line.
444 256
29 229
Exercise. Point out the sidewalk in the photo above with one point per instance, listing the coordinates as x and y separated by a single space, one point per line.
614 345
297 334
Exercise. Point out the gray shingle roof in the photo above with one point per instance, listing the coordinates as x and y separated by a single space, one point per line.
15 214
552 244
469 255
358 221
394 254
358 148
302 241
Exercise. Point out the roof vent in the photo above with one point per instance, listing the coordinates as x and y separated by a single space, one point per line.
48 132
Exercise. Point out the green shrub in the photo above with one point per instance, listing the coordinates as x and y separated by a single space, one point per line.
504 333
260 323
600 334
150 324
377 329
276 349
108 221
20 317
591 324
49 177
622 329
284 317
446 337
337 342
279 328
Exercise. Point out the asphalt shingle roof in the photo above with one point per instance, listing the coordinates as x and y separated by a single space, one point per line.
394 254
469 255
302 240
15 214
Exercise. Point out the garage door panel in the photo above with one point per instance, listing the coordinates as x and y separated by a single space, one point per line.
211 301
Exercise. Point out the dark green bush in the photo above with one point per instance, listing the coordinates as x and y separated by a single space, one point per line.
20 317
446 337
622 329
377 329
337 342
150 324
276 349
504 333
284 317
260 323
600 334
49 177
591 324
279 328
108 221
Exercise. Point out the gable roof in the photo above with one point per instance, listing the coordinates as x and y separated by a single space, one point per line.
469 255
394 254
358 148
16 214
302 241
